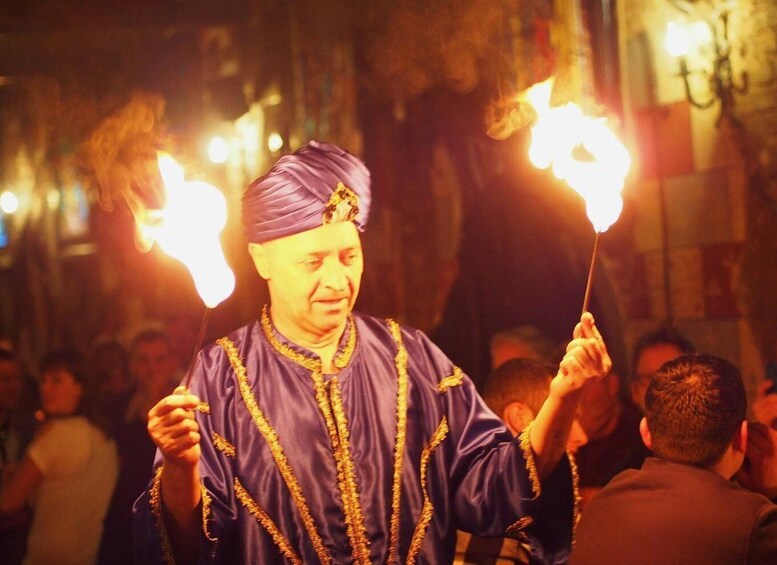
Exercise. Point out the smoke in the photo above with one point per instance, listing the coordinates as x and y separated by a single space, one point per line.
119 155
500 47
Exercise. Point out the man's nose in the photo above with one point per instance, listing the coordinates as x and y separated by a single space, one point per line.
333 275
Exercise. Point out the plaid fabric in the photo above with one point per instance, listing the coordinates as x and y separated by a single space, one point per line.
476 550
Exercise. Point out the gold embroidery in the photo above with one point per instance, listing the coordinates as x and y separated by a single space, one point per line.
224 446
341 360
206 513
525 443
426 511
354 518
575 494
203 408
279 456
514 531
266 522
155 499
343 205
451 381
400 361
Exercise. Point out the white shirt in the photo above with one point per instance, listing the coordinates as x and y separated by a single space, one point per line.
79 467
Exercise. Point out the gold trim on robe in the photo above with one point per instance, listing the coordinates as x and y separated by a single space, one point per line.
427 510
524 439
155 499
400 361
223 445
271 436
266 522
451 381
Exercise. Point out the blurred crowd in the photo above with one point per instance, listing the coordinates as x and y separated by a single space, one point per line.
75 453
74 450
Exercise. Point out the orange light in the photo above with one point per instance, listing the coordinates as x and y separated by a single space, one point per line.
188 229
560 134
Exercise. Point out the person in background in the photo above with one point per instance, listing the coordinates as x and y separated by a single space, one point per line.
153 370
110 360
522 342
652 350
70 467
17 425
614 443
514 391
681 506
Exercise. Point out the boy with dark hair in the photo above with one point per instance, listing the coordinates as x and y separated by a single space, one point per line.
681 507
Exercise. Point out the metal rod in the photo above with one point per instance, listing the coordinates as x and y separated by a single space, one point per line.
197 344
589 284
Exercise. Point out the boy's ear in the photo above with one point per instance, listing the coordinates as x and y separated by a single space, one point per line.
516 416
645 433
740 438
258 254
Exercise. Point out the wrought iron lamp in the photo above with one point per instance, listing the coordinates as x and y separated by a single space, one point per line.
702 37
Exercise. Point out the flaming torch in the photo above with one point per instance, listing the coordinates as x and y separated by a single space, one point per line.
188 229
585 153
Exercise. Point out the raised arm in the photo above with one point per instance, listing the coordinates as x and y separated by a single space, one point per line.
172 426
586 359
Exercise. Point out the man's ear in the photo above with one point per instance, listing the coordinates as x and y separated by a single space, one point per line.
516 416
258 254
740 438
645 433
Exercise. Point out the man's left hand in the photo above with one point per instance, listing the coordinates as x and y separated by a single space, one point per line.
586 358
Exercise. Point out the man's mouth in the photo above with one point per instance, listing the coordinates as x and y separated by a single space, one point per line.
333 301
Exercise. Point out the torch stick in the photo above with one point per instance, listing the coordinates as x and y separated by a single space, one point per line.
590 275
197 345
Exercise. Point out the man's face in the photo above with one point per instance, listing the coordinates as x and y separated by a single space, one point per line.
650 360
313 277
152 363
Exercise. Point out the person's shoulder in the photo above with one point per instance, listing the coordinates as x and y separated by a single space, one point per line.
241 337
388 325
61 431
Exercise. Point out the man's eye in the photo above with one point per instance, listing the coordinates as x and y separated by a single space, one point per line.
312 263
349 258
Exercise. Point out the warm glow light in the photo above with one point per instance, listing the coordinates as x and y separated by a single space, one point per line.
188 229
274 142
682 38
677 40
9 203
218 150
582 151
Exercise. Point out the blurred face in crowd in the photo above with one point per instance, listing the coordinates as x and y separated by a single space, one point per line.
313 277
577 437
60 392
650 361
506 349
11 384
152 364
600 407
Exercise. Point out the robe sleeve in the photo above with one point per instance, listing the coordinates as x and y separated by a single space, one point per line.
496 488
211 384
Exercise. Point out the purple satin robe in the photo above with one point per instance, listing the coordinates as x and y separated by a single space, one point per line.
299 472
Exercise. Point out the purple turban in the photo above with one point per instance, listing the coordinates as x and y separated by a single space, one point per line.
316 185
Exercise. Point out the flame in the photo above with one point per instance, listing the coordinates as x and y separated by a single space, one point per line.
559 134
188 229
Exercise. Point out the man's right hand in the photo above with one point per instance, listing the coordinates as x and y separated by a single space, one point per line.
175 432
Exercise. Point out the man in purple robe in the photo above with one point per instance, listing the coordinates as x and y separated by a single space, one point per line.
317 434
